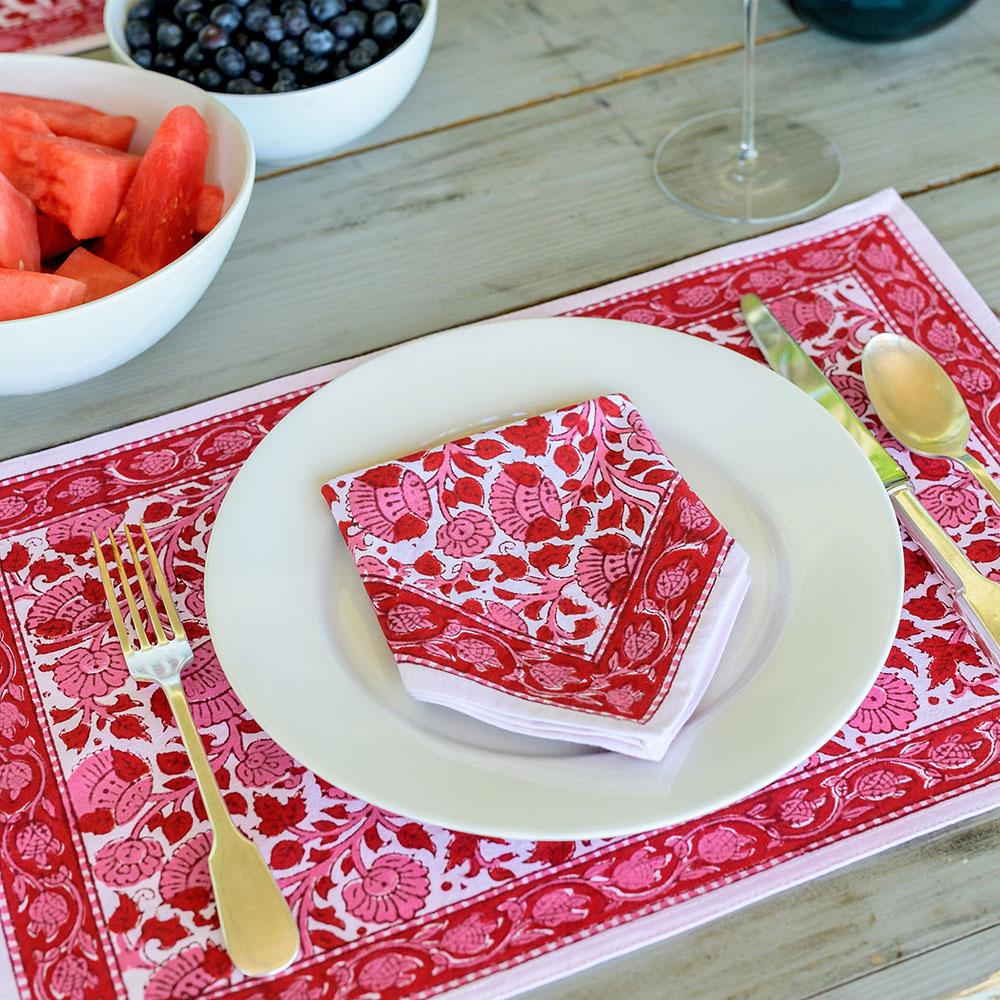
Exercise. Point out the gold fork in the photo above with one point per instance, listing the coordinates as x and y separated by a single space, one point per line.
257 925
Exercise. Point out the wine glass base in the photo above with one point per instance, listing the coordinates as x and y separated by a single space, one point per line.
697 164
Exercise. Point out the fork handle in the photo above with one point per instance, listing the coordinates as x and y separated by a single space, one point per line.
257 925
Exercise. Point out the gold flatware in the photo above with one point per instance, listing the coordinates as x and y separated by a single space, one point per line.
919 404
976 597
257 925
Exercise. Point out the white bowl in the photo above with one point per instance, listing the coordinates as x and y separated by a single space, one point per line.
308 124
61 348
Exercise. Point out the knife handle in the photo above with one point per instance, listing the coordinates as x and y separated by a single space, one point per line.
977 598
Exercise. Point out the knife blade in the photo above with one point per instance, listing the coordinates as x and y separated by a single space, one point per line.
977 598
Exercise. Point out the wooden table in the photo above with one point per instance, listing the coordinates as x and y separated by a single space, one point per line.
519 170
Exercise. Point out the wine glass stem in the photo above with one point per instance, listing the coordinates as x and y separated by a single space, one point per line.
748 146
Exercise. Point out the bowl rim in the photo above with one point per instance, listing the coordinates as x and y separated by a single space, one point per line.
113 28
241 196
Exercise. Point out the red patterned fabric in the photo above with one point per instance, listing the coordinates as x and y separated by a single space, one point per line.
63 25
561 559
105 891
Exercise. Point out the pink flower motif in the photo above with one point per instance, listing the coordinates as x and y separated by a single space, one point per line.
467 534
229 444
155 463
111 779
853 391
553 676
695 516
952 753
46 914
641 643
639 315
890 705
15 777
86 674
974 380
83 487
391 969
183 976
406 618
878 784
10 720
128 861
71 978
674 581
266 763
74 532
951 506
185 882
559 906
797 810
390 502
303 989
470 936
640 437
394 888
908 297
822 259
12 507
697 296
943 336
522 499
796 314
881 257
640 870
212 699
480 654
623 698
767 277
604 569
68 608
35 842
508 619
722 844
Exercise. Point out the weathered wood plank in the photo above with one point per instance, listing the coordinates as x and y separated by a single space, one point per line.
475 221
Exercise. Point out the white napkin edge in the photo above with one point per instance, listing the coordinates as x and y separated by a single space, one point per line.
648 740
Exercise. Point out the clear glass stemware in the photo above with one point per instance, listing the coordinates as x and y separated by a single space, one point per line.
738 166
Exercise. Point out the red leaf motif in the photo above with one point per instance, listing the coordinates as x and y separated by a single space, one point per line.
567 458
984 550
129 727
125 916
76 738
548 556
49 570
415 837
468 490
15 560
167 932
276 816
488 448
926 608
286 854
532 435
176 826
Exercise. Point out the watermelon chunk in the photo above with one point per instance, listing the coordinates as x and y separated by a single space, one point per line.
25 118
53 237
100 276
31 293
157 219
78 183
209 209
76 120
18 231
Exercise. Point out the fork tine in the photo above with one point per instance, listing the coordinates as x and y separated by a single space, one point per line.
129 596
161 586
109 596
147 596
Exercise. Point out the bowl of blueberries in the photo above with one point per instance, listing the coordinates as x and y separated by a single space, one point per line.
305 77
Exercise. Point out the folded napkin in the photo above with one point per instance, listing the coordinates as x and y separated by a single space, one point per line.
556 577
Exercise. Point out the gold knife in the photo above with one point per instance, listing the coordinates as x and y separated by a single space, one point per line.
977 598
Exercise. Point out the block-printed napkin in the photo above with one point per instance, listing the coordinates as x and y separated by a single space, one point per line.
51 25
104 890
554 576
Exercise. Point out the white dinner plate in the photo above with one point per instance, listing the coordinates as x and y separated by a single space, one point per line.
298 639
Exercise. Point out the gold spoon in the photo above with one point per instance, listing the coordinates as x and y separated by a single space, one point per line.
919 404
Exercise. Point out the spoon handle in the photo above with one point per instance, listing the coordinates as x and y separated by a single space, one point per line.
987 482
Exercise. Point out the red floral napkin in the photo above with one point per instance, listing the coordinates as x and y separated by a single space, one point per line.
556 577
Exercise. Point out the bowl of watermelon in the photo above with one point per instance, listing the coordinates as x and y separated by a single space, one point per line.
121 193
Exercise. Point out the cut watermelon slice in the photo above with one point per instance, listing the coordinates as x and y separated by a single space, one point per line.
209 209
18 231
31 293
78 183
25 118
100 276
157 219
53 237
76 120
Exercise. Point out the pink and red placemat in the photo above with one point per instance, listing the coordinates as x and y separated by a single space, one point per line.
105 890
51 25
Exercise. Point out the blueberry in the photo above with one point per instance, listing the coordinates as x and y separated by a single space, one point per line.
340 47
255 15
291 5
240 40
165 61
168 35
318 41
210 79
241 3
240 86
384 25
143 58
324 10
194 56
142 9
183 8
284 86
226 16
286 75
187 75
195 22
138 35
362 55
212 37
341 70
315 65
372 6
257 53
289 53
230 62
274 29
296 20
350 25
256 76
410 15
